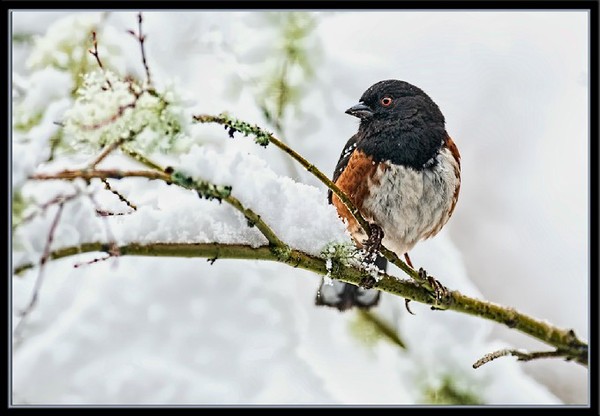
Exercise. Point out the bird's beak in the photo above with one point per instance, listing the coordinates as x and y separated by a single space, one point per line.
360 110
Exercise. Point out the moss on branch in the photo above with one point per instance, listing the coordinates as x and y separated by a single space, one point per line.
563 340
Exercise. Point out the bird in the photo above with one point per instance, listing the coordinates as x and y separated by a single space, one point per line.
402 172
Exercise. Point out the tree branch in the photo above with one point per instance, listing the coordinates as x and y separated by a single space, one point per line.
70 175
383 327
521 356
263 138
140 158
453 300
122 198
204 189
564 340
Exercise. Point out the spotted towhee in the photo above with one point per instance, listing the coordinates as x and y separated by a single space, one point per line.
401 170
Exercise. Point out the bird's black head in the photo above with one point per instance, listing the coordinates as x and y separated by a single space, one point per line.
399 122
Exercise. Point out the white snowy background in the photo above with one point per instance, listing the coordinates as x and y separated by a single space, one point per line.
514 89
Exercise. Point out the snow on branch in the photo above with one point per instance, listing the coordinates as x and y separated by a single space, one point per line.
454 300
568 345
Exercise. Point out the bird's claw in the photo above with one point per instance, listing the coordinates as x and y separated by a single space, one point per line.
441 294
367 282
406 302
372 245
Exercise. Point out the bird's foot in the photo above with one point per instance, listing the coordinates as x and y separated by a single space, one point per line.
373 244
441 295
367 282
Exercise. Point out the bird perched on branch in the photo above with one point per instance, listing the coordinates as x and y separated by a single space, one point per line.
402 171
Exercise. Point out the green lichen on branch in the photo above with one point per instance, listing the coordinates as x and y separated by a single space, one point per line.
282 253
341 255
233 125
570 346
107 106
205 189
210 191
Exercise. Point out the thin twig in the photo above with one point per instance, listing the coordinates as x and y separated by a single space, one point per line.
97 56
140 158
94 52
118 195
45 257
111 119
253 218
90 262
108 149
521 356
112 242
105 213
263 136
141 38
43 207
102 174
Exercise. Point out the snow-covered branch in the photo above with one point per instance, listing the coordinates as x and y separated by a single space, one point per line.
568 345
204 189
263 138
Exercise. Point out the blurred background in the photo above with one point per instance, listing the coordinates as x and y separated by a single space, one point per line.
513 87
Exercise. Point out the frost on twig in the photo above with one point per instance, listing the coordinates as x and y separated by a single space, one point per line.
125 113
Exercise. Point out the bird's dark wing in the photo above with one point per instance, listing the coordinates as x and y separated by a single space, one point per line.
339 294
343 161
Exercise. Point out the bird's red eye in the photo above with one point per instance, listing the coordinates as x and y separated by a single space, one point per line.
386 101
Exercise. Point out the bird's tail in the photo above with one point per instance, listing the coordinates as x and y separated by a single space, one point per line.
345 296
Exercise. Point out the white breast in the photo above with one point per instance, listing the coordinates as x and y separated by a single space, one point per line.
411 205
